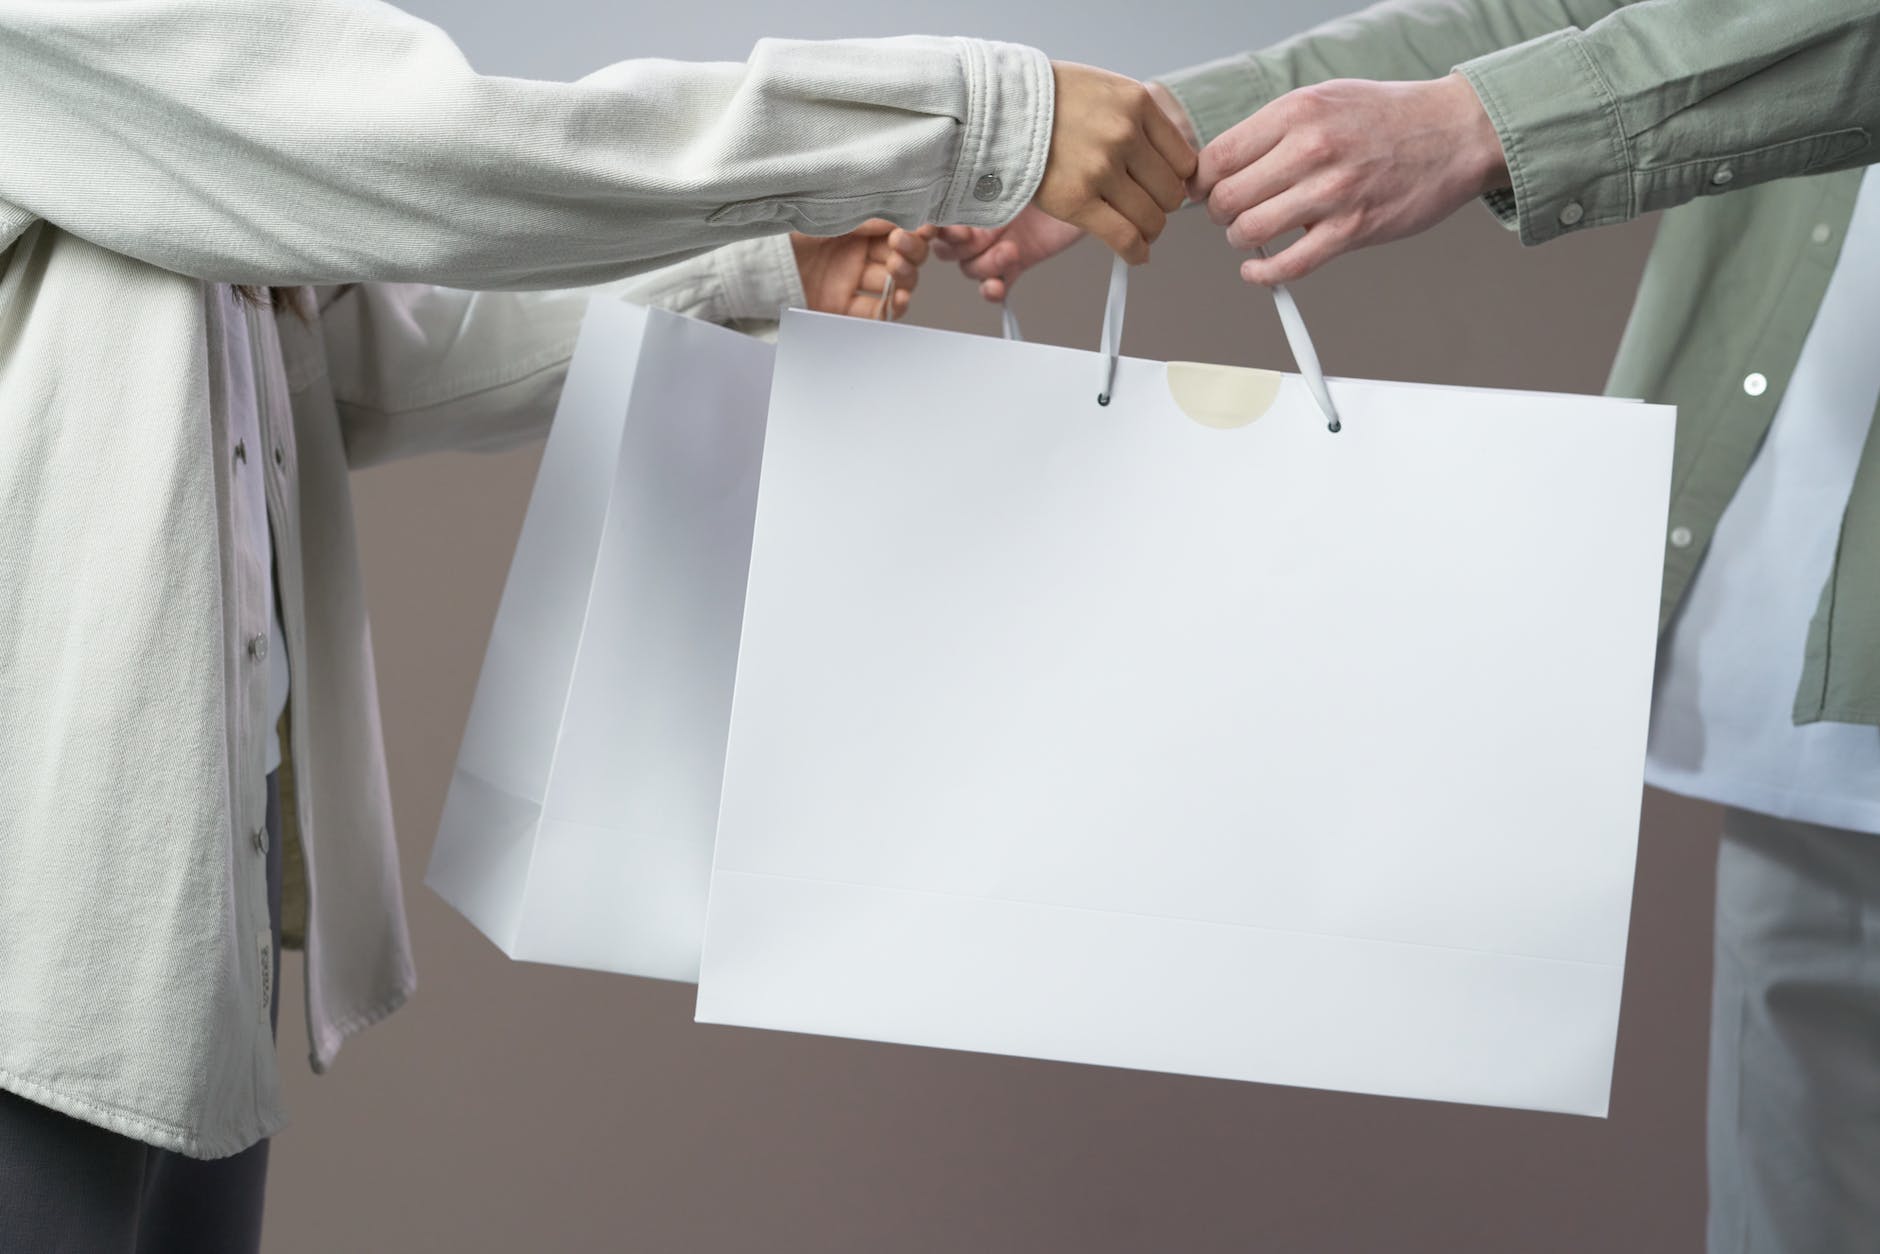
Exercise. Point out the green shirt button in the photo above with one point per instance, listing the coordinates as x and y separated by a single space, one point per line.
1755 384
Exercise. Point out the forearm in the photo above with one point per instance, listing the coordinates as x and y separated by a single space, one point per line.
291 141
1400 39
1603 110
1667 100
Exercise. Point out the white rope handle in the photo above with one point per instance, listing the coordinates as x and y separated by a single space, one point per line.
1111 347
885 311
1009 322
1290 320
1303 353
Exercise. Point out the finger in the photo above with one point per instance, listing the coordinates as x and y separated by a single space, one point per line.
1129 199
1169 141
1238 147
868 304
1267 221
910 245
963 243
1156 177
865 305
875 277
875 226
1000 261
993 290
1300 258
1103 221
1254 184
928 231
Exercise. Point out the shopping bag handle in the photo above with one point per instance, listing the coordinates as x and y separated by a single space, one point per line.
1008 321
1290 319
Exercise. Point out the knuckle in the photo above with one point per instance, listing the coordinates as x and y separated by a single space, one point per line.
1220 206
1312 100
1314 144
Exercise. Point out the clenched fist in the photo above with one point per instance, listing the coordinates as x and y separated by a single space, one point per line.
1117 166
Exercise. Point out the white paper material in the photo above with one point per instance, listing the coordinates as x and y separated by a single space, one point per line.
1091 733
578 827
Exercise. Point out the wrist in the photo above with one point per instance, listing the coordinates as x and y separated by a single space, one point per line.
1165 100
1480 150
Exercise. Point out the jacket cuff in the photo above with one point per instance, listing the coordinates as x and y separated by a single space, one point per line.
1559 126
1010 94
1220 94
759 280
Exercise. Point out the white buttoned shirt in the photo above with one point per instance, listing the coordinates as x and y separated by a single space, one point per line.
1722 706
158 150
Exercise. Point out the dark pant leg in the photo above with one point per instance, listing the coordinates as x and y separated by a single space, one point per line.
66 1185
193 1206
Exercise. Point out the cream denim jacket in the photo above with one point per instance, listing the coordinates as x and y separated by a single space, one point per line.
157 150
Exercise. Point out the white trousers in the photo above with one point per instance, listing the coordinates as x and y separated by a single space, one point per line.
1794 1136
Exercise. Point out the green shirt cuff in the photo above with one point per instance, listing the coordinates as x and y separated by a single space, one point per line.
1221 93
1560 133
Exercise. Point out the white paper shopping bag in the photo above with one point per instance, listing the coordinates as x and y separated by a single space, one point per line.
1183 733
579 823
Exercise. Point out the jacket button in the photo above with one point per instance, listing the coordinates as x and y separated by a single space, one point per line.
279 456
1680 537
988 187
1821 233
257 647
241 451
1572 213
261 839
1722 176
1755 384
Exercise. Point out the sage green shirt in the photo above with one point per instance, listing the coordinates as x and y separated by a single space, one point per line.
1607 111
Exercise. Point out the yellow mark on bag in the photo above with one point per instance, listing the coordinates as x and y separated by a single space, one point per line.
1222 397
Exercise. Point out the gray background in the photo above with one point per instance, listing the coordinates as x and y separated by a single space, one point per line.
514 1107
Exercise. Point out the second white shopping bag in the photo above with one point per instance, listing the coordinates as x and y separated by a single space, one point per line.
1126 713
578 826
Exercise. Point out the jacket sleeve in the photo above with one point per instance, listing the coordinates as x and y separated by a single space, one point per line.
1605 110
417 369
329 141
